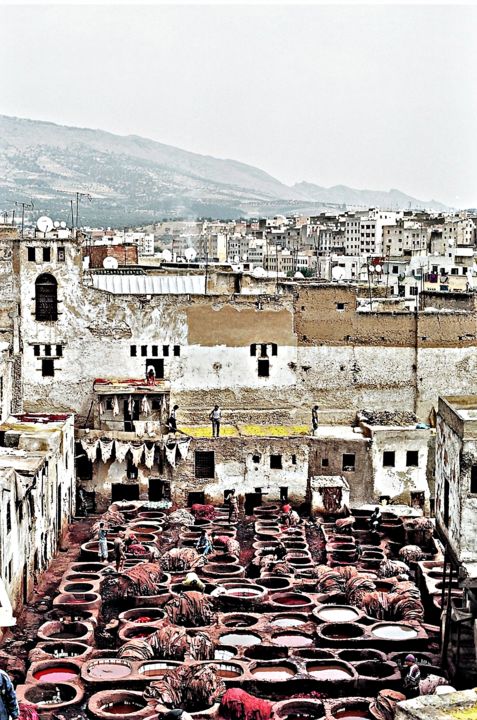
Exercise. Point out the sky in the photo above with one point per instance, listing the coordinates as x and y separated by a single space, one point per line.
370 96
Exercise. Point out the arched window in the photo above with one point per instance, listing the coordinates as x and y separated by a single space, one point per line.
46 297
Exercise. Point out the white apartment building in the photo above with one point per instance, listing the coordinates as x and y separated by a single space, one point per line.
404 237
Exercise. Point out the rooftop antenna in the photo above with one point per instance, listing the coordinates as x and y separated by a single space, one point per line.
24 206
80 195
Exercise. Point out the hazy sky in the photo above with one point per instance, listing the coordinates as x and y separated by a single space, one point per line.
367 96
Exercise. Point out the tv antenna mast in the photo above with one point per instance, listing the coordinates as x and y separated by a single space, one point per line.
79 196
24 206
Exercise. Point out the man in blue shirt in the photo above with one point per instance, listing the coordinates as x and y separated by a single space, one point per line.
8 699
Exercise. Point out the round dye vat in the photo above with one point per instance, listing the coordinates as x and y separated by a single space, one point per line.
243 592
67 631
293 640
79 587
224 653
109 669
122 708
328 671
58 673
139 632
157 669
394 631
68 649
239 621
273 673
288 621
341 631
351 713
291 599
300 710
272 583
240 639
228 671
338 613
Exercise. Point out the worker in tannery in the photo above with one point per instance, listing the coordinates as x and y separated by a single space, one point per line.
215 417
8 699
203 544
314 417
412 677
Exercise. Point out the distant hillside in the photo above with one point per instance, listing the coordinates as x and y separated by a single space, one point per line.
134 180
391 199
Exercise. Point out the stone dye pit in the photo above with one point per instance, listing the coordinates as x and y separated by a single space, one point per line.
315 639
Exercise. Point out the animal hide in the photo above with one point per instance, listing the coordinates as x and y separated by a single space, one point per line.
106 447
149 455
195 688
179 559
237 704
90 446
332 497
121 449
192 609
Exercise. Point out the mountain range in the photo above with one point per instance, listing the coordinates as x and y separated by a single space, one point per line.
134 180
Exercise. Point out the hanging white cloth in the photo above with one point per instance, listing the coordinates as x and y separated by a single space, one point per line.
106 447
183 447
140 427
90 446
115 406
130 405
171 454
101 407
136 452
149 455
145 407
121 451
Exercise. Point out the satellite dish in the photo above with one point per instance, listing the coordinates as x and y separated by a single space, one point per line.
56 224
167 255
44 224
259 272
110 263
378 268
62 224
190 253
236 258
337 273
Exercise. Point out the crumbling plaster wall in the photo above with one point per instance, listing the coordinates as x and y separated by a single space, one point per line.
400 481
235 468
340 358
448 452
331 450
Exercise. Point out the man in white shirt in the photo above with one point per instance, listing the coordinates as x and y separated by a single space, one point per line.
215 416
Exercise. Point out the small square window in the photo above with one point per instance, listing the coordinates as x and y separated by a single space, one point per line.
274 349
154 350
389 458
324 462
47 350
340 306
47 368
177 350
109 404
253 350
144 350
156 404
473 479
349 461
46 254
293 459
165 350
31 254
275 462
263 350
36 350
61 254
59 350
412 458
256 458
133 350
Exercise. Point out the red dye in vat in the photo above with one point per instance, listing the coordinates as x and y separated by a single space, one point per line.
143 619
122 708
143 634
55 674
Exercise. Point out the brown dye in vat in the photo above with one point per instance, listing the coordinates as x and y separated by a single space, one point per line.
273 673
156 669
328 672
